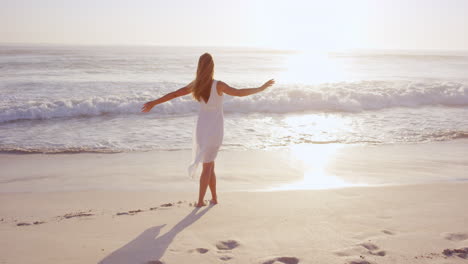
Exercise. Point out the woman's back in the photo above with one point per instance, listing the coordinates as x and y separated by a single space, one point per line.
215 100
209 132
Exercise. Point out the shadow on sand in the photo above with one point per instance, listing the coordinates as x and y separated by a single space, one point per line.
149 245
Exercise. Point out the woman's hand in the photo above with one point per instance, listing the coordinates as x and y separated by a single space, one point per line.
267 84
147 107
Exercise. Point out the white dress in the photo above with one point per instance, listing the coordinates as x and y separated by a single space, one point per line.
209 131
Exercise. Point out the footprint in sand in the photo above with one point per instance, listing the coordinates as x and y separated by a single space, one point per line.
225 258
284 260
359 262
362 249
461 252
131 212
379 253
77 214
387 232
372 249
456 236
27 224
227 245
369 246
201 250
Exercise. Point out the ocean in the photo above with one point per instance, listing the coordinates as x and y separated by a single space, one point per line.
73 99
70 118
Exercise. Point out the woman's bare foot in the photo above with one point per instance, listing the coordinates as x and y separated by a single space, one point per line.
214 201
200 204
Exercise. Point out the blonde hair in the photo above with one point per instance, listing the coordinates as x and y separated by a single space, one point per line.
202 83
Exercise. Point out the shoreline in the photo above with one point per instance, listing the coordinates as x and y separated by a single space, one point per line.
306 166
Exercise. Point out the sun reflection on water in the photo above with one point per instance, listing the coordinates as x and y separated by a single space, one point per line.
317 122
314 160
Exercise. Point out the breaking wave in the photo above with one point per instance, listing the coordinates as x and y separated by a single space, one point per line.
334 97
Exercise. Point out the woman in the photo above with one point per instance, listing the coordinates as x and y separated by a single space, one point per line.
209 131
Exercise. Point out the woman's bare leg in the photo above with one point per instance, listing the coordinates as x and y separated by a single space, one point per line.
214 196
204 181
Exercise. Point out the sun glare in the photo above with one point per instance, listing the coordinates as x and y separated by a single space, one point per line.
311 67
314 159
321 122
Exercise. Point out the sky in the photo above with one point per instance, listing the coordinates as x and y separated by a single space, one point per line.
291 24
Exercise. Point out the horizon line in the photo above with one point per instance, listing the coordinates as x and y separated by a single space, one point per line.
214 46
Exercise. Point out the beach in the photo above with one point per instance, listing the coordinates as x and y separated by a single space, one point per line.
392 224
96 208
351 157
330 132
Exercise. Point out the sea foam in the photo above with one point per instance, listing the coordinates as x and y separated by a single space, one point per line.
329 97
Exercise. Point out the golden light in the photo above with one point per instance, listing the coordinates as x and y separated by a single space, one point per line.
319 122
314 160
311 67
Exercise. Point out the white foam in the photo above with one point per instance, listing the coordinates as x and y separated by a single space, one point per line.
338 97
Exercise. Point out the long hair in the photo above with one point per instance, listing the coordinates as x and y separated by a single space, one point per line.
202 83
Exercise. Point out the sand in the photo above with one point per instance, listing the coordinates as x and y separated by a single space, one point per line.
387 224
307 166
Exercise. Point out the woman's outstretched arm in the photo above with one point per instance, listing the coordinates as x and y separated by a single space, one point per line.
247 91
181 92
